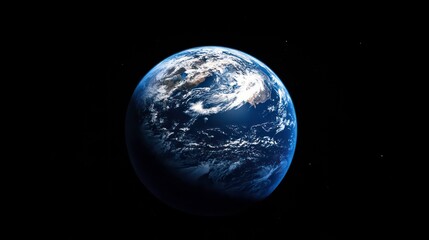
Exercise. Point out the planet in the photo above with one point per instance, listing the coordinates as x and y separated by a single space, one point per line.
211 131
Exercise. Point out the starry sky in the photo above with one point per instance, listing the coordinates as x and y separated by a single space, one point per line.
338 86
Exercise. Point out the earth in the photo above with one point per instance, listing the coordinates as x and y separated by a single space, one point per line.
211 130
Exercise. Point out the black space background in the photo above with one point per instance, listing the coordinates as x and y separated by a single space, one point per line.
339 181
